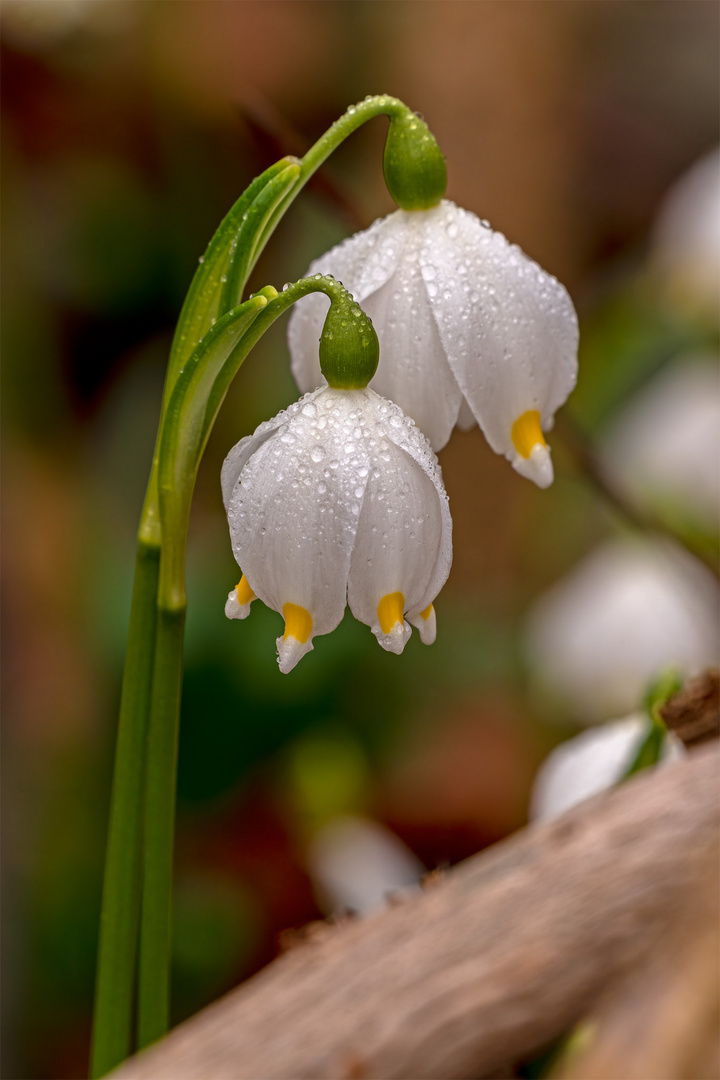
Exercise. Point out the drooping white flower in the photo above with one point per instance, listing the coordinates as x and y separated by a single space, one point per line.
591 762
685 245
468 325
338 499
663 449
355 863
599 636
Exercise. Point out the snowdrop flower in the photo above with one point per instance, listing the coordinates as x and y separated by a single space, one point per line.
664 448
338 499
470 329
591 762
685 246
355 863
600 635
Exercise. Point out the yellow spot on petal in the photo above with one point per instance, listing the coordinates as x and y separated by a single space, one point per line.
427 612
244 592
526 433
390 611
298 622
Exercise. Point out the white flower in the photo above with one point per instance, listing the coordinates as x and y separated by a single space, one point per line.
685 246
468 325
628 611
591 762
355 863
338 499
664 448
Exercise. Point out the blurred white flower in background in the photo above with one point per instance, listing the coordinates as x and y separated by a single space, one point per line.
685 247
591 762
631 609
355 864
41 25
663 450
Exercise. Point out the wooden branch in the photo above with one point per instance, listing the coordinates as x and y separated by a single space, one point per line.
694 713
501 956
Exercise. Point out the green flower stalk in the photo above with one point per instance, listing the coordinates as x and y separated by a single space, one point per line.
215 333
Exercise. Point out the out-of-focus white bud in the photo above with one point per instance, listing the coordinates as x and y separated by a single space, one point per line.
355 863
664 449
630 610
685 251
591 762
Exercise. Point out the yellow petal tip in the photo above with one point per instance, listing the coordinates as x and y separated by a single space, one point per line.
245 595
390 611
526 433
298 622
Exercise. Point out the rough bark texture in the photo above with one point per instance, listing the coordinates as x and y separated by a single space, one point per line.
694 713
496 959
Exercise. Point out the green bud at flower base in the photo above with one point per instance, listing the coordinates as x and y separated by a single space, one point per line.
413 164
349 348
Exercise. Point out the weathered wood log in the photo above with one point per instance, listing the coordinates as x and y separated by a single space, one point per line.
497 959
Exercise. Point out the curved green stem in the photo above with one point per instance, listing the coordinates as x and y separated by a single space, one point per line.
353 118
112 1031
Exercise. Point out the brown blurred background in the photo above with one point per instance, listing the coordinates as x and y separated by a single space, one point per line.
128 129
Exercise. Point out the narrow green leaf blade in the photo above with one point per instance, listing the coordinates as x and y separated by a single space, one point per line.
183 428
202 307
250 237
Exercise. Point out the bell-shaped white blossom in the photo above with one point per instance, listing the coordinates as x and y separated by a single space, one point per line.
355 864
591 762
338 499
663 450
468 325
685 245
599 636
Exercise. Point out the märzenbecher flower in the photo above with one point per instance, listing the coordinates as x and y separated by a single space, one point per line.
469 327
339 499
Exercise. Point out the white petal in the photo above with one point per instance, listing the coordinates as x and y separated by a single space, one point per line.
241 453
426 627
291 651
396 640
465 419
409 438
591 762
413 371
234 609
363 263
399 538
293 517
509 329
538 467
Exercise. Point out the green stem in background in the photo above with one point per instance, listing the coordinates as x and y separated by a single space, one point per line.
121 890
665 686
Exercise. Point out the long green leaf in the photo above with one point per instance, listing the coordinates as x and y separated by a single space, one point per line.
202 309
184 435
248 247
